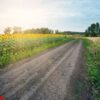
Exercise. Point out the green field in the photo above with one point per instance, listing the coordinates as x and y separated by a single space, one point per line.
92 58
18 48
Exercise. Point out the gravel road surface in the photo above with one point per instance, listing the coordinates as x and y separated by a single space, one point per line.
45 77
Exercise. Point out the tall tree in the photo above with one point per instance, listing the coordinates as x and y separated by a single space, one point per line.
97 28
93 29
56 31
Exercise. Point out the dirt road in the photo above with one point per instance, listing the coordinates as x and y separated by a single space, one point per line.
45 77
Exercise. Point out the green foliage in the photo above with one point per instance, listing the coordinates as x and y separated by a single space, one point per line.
17 29
14 50
5 53
93 64
93 30
39 30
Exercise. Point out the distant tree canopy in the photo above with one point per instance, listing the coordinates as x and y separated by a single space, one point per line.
7 30
39 30
93 30
57 32
13 30
17 29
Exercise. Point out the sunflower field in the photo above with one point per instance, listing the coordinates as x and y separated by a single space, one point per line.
15 47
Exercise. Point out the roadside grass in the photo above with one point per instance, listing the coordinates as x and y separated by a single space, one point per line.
15 49
92 56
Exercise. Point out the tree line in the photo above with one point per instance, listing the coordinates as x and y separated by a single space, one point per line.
16 29
93 30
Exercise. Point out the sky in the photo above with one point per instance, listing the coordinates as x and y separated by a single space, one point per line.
64 15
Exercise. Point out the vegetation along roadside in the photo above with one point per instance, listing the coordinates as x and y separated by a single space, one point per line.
14 47
92 56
